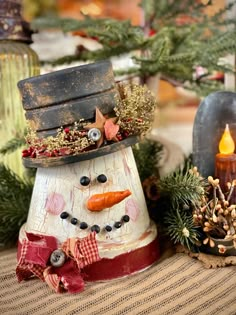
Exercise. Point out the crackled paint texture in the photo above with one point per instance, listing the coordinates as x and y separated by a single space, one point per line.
58 189
55 203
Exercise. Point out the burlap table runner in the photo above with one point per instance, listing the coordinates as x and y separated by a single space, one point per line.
175 285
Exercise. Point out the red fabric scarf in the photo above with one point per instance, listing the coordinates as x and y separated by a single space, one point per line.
35 260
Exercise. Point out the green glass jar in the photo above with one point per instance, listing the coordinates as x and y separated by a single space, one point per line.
17 61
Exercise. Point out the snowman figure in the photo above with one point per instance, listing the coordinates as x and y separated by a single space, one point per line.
88 218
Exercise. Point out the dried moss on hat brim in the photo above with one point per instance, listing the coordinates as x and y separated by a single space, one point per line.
134 116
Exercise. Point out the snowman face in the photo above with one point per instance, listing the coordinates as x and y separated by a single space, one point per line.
102 195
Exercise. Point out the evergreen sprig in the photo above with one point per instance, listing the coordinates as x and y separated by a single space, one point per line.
179 193
147 154
66 24
15 195
181 228
182 187
12 145
176 49
162 12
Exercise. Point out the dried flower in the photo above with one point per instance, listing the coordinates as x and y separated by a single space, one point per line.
66 142
135 109
212 243
134 115
205 241
215 214
185 232
222 249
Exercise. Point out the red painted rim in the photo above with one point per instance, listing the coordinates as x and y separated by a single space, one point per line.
122 265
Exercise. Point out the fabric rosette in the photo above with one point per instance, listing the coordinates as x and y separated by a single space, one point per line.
60 266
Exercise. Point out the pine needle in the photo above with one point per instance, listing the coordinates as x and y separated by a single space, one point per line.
175 50
12 145
182 187
147 154
15 195
180 227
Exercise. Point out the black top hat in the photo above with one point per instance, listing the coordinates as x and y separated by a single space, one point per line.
71 113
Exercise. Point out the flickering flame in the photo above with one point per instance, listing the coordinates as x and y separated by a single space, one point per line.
226 145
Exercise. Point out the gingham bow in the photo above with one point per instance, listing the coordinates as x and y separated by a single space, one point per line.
84 251
35 255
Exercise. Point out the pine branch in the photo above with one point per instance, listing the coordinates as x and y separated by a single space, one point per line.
218 47
117 32
204 88
174 51
15 194
181 229
163 11
146 154
66 24
96 55
12 145
182 187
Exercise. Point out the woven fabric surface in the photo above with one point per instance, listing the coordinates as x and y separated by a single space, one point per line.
176 285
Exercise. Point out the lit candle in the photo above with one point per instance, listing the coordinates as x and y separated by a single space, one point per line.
225 161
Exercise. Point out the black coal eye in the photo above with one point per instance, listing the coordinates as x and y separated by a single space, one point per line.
84 181
102 178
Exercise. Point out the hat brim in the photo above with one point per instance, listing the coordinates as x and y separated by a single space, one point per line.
83 156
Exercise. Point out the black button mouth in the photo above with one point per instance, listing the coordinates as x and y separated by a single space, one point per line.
95 227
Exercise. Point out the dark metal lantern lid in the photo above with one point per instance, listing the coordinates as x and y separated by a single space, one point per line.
12 24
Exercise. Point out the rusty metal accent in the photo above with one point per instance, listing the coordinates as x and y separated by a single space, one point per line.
66 85
48 120
12 24
63 97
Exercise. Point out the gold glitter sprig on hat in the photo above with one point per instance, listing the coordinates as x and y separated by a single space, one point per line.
134 115
66 142
135 109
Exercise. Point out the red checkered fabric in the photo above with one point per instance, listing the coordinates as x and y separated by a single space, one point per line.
25 270
35 254
65 278
88 249
53 280
84 251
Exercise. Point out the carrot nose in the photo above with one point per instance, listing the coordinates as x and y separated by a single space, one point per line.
98 202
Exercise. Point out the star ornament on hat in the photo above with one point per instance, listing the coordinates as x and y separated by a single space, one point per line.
104 125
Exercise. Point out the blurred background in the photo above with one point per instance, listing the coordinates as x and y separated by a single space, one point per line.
119 9
177 107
